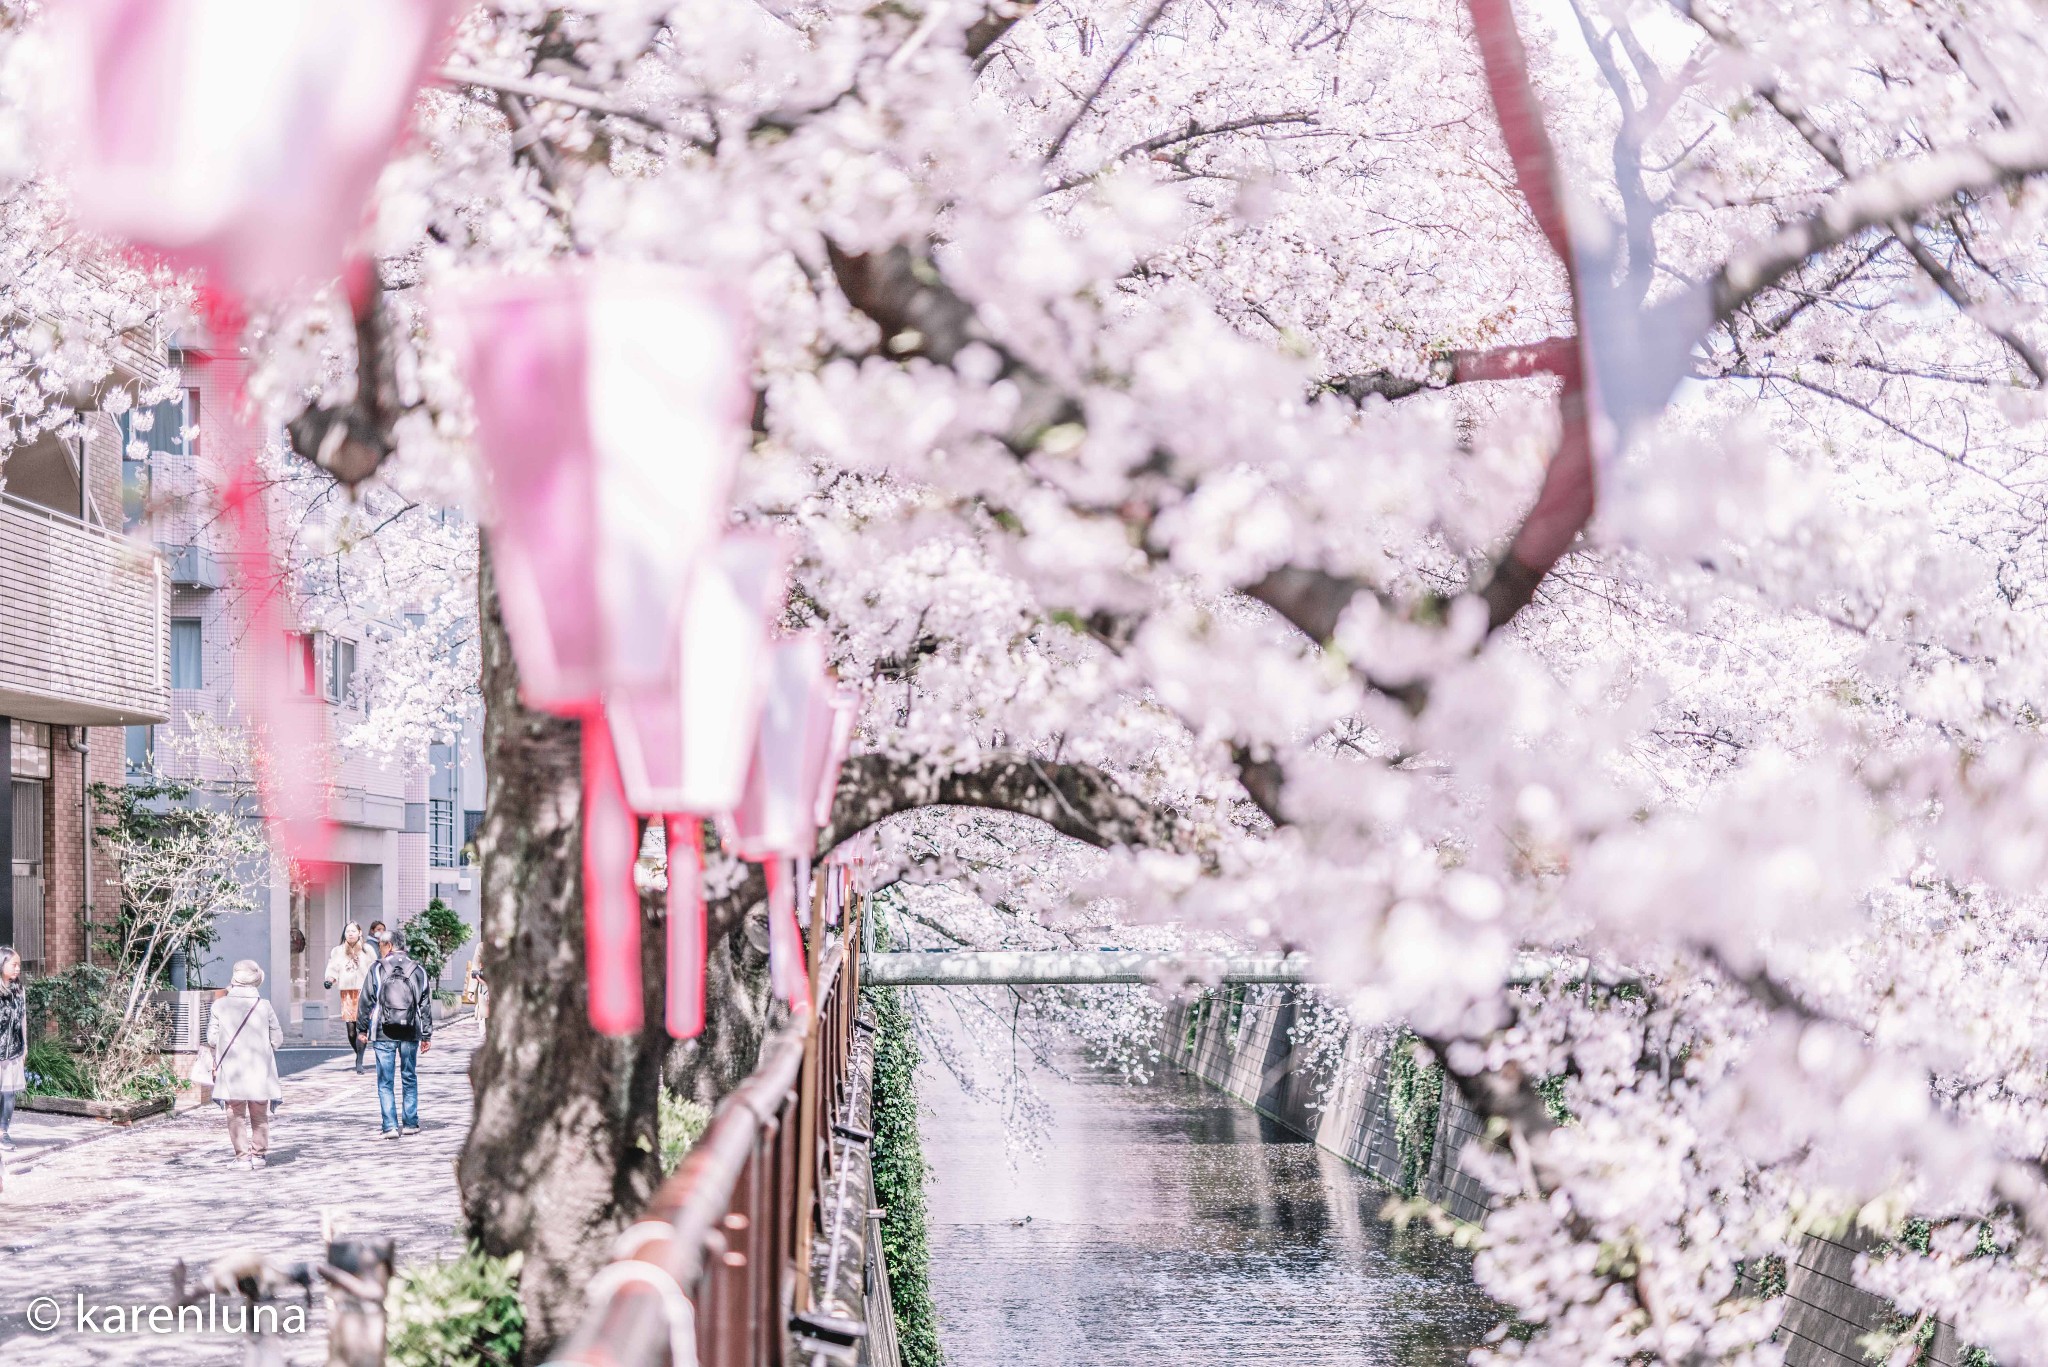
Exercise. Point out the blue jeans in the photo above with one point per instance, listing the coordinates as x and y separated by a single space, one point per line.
398 1056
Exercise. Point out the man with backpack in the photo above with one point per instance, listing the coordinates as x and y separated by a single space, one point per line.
396 1012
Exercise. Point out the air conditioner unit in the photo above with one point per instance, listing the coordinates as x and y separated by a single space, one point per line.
194 567
188 1012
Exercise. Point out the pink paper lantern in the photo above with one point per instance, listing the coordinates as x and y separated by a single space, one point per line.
242 137
844 704
777 813
776 819
685 743
612 404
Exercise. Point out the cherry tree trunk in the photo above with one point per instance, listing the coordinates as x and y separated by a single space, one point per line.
563 1152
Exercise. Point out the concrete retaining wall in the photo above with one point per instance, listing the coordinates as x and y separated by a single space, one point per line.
1247 1051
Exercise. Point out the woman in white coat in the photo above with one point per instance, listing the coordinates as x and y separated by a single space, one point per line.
347 965
244 1033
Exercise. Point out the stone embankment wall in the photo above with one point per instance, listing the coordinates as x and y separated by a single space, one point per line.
1243 1043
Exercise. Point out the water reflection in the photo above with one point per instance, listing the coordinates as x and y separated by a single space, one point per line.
1168 1223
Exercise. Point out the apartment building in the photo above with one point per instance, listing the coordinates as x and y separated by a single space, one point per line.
84 652
392 824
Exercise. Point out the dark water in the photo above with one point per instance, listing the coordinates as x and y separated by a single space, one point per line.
1168 1223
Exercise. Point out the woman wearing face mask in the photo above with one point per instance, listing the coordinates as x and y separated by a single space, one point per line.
347 966
13 1040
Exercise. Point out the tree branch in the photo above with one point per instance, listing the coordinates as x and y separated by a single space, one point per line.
1074 799
985 32
351 440
1520 114
1895 190
1052 153
1551 356
554 92
1192 133
1564 503
1830 150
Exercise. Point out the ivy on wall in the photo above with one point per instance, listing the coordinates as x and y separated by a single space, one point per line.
1415 1094
900 1172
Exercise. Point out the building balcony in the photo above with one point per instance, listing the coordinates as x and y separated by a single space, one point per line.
84 622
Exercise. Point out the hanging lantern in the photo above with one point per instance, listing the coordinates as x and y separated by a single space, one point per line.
686 742
777 811
612 404
241 137
611 407
843 705
776 819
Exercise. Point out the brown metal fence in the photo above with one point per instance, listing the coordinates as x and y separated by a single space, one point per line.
716 1267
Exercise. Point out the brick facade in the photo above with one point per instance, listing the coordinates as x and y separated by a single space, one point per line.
64 909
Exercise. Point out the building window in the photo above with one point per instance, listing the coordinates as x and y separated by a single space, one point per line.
472 822
441 833
135 487
29 750
340 685
188 638
320 665
141 749
164 429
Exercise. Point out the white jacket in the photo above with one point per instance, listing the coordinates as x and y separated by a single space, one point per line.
248 1071
345 973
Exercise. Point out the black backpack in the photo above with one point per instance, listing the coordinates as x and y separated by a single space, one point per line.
398 997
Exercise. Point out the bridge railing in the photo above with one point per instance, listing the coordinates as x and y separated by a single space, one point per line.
713 1271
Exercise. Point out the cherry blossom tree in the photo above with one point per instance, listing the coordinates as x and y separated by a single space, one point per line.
1423 483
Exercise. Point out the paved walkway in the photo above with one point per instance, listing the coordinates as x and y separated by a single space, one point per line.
103 1217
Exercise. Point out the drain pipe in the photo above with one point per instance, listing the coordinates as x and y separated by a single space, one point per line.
84 749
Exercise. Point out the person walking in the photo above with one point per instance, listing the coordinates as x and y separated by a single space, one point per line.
13 1041
479 993
348 963
397 1012
244 1033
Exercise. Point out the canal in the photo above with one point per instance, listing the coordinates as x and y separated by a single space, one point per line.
1166 1223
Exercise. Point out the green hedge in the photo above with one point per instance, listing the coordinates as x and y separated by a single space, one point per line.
461 1313
1415 1097
900 1172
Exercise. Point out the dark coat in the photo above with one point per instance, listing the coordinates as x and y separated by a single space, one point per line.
13 1024
370 1006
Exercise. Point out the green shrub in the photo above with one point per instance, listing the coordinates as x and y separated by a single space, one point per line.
86 1048
81 1006
53 1071
460 1313
431 937
900 1172
682 1124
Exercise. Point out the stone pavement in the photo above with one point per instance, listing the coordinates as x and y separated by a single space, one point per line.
105 1218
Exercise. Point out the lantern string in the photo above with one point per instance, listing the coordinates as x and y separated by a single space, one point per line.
611 898
787 975
686 927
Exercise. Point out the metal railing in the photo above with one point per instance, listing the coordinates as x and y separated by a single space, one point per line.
720 1262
